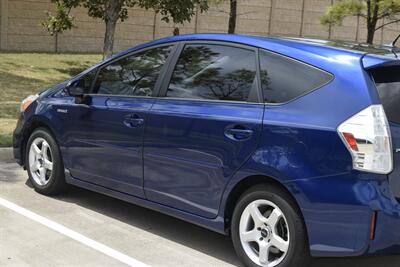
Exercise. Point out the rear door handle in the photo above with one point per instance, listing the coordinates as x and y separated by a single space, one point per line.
238 133
133 121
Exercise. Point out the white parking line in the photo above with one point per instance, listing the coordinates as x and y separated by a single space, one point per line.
72 234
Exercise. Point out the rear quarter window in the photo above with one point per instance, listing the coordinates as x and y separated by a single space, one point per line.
387 81
284 79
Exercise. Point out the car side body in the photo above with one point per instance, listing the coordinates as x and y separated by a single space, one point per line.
180 164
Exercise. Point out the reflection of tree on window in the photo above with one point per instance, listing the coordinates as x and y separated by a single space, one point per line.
265 81
193 60
232 86
213 72
283 79
133 75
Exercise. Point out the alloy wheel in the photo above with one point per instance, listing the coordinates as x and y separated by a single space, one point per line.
264 233
40 161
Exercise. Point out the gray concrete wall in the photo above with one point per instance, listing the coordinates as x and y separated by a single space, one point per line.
21 30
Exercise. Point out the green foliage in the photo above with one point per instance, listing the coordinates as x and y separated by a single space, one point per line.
108 9
59 22
371 11
337 12
179 11
368 9
102 9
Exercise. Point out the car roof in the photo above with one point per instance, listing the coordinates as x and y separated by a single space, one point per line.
258 41
324 54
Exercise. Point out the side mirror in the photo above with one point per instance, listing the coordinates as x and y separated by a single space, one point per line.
78 93
75 91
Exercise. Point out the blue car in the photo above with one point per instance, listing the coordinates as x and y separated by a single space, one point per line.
287 145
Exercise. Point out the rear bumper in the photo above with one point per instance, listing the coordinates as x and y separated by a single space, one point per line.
338 211
387 232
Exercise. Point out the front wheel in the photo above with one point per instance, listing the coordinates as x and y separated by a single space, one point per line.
44 164
267 229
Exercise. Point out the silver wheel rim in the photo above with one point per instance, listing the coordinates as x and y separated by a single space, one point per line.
40 161
264 233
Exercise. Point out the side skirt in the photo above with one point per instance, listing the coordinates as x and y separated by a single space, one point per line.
216 225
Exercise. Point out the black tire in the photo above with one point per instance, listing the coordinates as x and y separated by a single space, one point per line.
297 254
56 181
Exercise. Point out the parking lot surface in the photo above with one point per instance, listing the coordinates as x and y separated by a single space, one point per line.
83 228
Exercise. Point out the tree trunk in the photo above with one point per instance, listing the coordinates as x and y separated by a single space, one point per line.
372 20
371 29
113 11
109 39
370 35
232 16
56 43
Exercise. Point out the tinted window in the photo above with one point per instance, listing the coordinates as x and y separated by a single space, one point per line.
388 84
284 79
85 81
214 72
134 75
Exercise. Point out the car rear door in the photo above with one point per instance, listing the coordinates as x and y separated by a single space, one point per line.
105 136
203 127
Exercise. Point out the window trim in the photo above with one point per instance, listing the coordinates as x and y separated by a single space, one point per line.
254 97
159 78
261 50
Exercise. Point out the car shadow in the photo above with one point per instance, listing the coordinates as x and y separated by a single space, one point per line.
190 235
184 233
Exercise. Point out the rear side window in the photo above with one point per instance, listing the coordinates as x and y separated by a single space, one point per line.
284 79
133 75
387 82
214 72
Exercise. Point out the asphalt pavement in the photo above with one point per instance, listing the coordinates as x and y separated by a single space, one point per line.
83 228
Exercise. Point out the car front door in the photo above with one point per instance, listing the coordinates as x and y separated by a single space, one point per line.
105 136
203 127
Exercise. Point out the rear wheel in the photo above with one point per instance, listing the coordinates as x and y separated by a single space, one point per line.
267 229
44 164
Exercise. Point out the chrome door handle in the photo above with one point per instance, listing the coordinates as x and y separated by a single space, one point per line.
238 134
133 121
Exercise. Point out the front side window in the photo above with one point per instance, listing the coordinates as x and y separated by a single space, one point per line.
84 82
133 75
214 72
284 79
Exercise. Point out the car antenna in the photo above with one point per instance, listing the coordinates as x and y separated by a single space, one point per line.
393 45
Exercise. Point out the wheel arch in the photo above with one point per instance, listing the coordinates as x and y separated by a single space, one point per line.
240 187
33 124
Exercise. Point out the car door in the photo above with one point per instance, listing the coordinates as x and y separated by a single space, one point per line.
105 136
203 127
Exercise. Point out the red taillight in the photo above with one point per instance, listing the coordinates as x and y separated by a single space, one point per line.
351 141
367 137
372 226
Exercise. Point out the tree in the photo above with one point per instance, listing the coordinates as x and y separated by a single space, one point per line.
112 11
60 22
372 11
